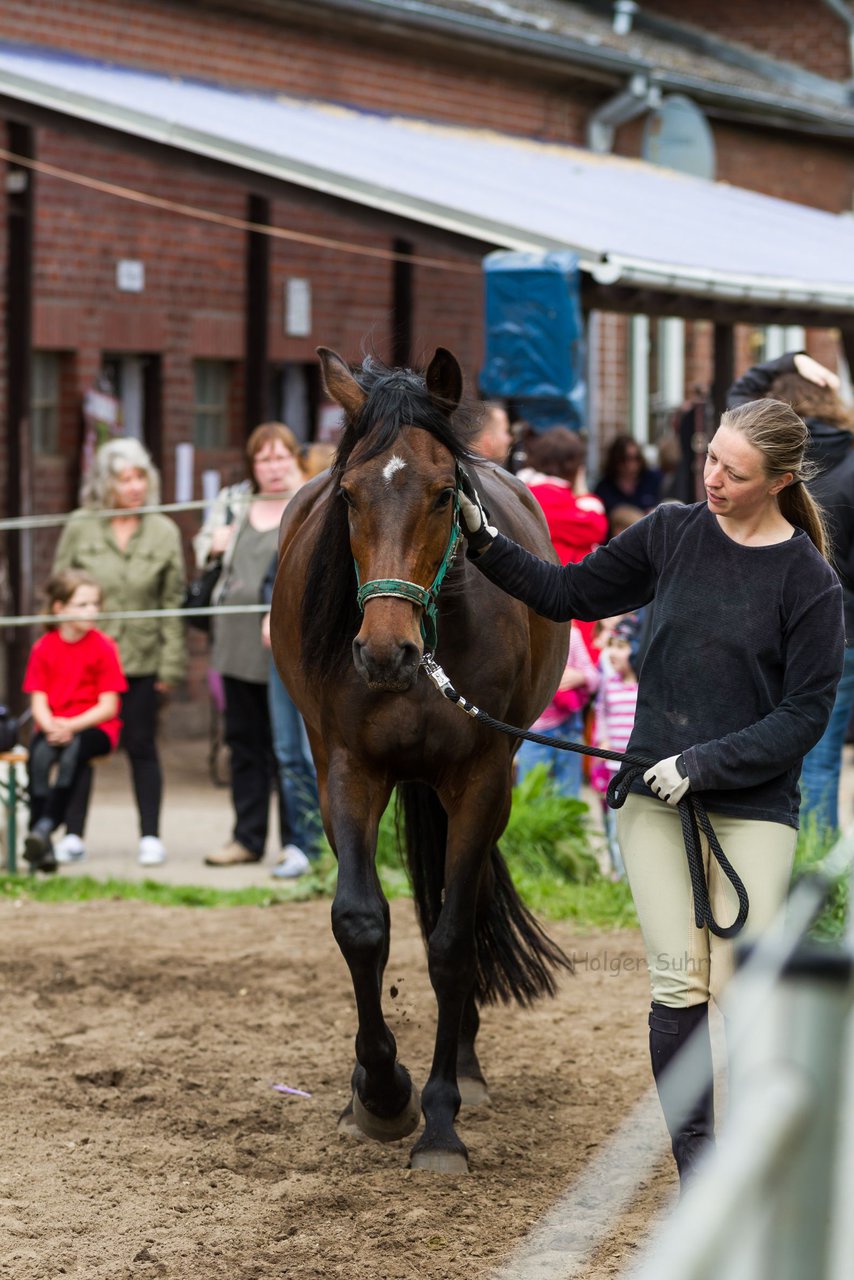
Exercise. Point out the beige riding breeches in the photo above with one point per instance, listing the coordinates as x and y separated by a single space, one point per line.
687 965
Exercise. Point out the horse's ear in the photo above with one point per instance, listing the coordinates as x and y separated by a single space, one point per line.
339 382
444 379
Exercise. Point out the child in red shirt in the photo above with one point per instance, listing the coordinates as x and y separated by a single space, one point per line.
74 677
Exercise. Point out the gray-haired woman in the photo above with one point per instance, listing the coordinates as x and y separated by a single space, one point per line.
138 563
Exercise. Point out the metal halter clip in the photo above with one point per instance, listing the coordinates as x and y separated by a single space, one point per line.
436 674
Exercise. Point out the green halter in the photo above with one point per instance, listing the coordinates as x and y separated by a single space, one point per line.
426 597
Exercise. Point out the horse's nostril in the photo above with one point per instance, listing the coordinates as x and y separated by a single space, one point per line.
409 655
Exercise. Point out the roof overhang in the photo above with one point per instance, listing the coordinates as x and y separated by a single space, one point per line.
634 226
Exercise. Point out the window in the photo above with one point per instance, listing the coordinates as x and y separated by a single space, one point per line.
779 339
639 360
211 389
656 375
295 396
44 407
126 374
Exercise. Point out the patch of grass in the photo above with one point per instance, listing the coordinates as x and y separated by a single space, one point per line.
80 888
814 844
548 846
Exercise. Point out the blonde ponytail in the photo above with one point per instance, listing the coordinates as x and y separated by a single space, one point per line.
800 509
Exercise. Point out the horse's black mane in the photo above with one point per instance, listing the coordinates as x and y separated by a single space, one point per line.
396 398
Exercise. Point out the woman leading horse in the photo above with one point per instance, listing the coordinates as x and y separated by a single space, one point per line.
737 684
348 642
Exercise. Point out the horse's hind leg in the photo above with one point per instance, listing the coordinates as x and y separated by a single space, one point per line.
470 1078
385 1103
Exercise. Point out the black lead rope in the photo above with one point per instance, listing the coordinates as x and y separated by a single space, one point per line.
692 812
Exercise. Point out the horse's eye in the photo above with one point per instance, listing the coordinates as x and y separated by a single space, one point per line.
348 498
443 499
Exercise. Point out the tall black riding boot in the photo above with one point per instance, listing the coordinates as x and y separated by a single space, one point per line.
691 1130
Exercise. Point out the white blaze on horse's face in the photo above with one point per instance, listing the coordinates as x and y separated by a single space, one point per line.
394 464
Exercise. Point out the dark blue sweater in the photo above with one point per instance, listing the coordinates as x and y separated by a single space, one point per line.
745 647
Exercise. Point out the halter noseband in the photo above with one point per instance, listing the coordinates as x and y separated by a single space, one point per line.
427 598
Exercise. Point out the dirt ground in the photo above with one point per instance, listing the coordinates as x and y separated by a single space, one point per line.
142 1136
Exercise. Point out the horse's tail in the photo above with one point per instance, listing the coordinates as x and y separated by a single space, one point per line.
516 959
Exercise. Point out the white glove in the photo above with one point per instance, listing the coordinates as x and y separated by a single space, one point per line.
668 780
479 534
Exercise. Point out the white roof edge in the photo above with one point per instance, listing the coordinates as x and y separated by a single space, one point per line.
785 291
142 125
608 268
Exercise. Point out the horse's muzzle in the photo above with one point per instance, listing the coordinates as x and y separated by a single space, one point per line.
391 666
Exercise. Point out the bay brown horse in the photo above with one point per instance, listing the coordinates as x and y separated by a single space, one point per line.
351 663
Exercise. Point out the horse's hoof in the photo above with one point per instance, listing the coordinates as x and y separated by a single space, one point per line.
473 1091
388 1128
347 1126
439 1161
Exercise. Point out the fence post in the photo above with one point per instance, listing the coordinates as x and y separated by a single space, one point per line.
802 1027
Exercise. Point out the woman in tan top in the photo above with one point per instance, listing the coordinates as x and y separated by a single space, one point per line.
244 528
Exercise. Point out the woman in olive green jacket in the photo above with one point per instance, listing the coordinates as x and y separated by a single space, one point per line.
138 563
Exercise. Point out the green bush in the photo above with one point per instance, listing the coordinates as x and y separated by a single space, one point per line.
549 847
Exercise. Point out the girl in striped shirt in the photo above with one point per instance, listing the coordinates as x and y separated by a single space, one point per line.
616 703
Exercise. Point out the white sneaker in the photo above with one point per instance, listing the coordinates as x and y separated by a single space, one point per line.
293 863
69 849
151 851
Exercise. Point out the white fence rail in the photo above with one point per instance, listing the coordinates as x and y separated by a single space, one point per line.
775 1200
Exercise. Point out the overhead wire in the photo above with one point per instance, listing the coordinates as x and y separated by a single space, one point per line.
238 224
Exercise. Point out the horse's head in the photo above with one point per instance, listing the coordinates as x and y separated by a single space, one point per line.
399 484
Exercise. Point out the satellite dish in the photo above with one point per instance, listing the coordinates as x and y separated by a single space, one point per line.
677 136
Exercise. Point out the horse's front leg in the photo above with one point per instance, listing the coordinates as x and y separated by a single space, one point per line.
385 1104
474 818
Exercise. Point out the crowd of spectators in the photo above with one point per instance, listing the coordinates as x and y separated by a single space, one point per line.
122 558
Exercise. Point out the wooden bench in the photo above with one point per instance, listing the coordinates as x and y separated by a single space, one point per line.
11 793
9 797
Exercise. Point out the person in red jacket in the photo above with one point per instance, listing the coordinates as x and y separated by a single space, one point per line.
74 677
554 462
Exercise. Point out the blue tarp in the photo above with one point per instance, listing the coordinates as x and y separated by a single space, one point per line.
535 337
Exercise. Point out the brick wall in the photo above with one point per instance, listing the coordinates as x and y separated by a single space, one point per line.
806 170
4 138
808 34
192 304
810 171
251 52
194 294
612 389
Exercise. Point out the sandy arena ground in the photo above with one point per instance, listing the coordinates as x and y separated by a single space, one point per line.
142 1137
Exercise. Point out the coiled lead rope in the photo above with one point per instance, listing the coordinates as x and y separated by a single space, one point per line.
692 811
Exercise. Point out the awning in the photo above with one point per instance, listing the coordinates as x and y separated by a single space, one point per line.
630 222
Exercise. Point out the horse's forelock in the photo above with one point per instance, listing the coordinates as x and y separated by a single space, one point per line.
397 398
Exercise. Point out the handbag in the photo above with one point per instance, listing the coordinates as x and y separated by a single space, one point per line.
199 594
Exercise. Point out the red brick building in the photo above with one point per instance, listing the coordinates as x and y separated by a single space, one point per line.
201 327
